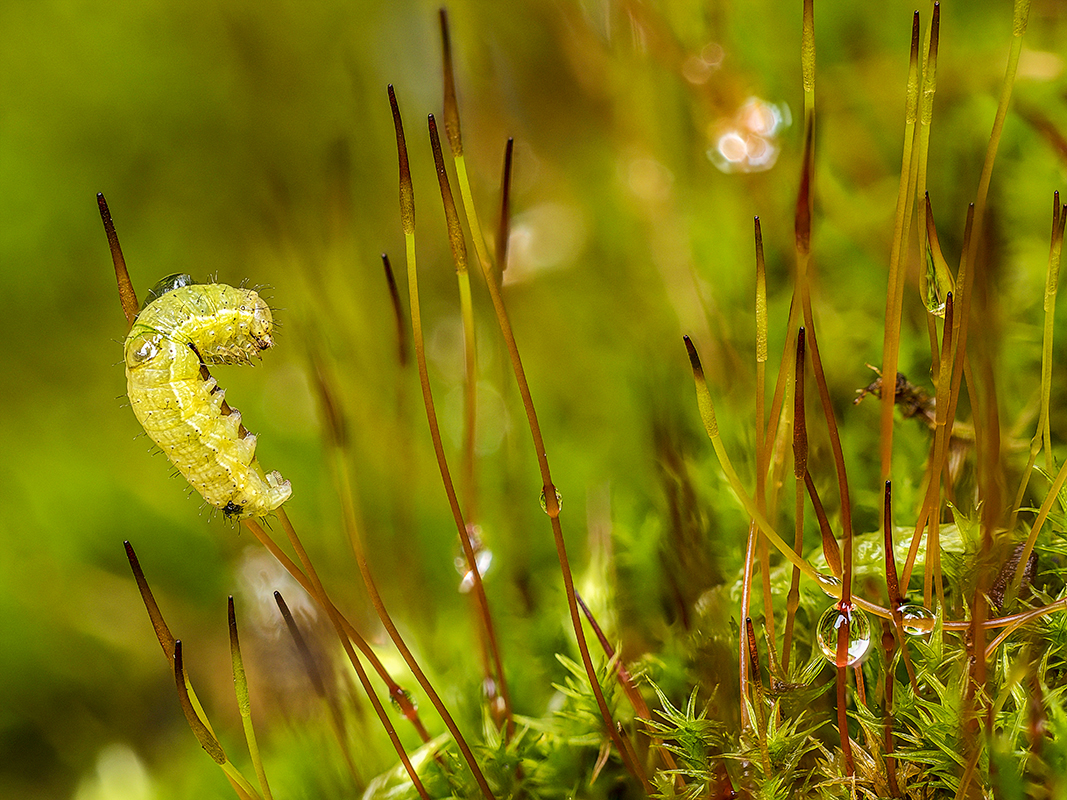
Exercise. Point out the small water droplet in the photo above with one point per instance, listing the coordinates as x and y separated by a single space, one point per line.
544 503
483 558
859 634
918 620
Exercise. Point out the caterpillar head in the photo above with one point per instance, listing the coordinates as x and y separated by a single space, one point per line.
261 322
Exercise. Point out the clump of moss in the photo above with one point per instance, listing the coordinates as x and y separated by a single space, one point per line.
944 629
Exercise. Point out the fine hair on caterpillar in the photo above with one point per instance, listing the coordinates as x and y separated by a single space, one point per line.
183 327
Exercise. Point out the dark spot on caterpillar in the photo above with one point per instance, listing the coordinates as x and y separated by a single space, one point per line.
232 510
168 284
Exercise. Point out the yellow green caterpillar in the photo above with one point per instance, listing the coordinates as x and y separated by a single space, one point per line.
182 326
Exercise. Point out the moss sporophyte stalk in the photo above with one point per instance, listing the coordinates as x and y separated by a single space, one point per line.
936 598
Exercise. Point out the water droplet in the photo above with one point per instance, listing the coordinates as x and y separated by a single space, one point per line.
859 634
918 620
544 503
483 558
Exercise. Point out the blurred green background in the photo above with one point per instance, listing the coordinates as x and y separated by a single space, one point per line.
251 142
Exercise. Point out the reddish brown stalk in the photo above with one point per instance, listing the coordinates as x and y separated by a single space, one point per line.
470 358
398 313
163 634
383 614
778 420
892 583
803 248
629 687
625 679
830 550
895 290
127 295
958 341
191 707
800 469
314 673
459 252
548 489
961 323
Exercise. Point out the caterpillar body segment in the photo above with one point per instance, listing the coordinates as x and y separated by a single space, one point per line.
183 325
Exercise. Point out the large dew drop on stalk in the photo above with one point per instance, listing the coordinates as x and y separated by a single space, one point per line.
859 634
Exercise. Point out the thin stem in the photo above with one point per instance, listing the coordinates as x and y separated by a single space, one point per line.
470 352
1042 437
407 216
746 596
548 487
629 687
802 237
398 312
842 679
930 297
800 468
435 434
830 549
504 230
244 705
162 630
761 434
1031 540
889 645
1018 620
829 586
901 228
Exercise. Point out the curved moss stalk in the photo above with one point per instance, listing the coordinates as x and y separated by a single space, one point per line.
492 280
934 278
901 228
407 218
1042 437
486 628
